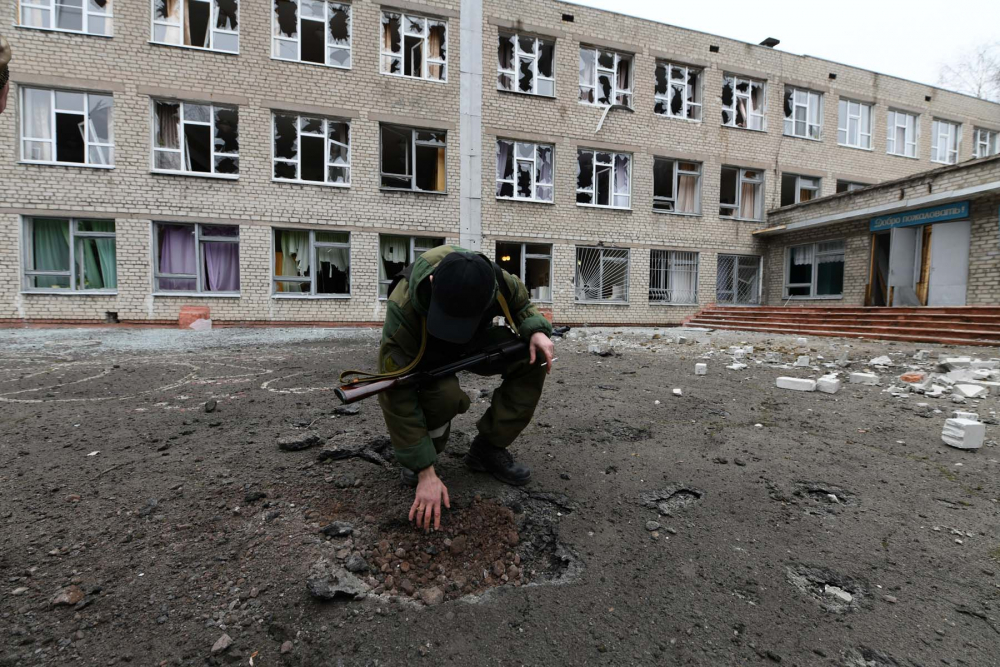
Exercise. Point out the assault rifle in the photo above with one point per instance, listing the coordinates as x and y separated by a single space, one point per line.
362 389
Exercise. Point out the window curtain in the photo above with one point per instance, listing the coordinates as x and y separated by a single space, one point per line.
167 120
177 256
802 255
187 20
681 281
588 68
435 42
748 201
337 258
222 266
38 122
441 175
503 154
295 254
741 111
50 250
686 193
621 174
100 270
393 250
545 169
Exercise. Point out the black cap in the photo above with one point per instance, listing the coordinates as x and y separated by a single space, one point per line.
462 291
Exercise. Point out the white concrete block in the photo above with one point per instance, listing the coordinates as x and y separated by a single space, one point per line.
921 355
990 365
748 349
738 354
701 369
970 391
737 366
803 361
863 378
796 384
952 363
828 384
802 341
681 340
964 433
958 414
678 392
881 361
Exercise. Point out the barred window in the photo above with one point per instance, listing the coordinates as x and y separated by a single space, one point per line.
673 277
602 274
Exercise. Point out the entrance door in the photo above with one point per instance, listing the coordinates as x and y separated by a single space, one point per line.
737 281
949 274
879 282
903 270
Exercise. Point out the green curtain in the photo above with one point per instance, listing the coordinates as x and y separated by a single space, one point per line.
50 248
100 270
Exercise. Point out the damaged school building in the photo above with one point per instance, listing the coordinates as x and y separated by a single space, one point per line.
282 161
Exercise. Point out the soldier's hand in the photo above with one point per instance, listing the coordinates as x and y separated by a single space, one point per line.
541 346
431 492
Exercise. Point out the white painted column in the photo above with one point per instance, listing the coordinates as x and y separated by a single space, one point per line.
471 123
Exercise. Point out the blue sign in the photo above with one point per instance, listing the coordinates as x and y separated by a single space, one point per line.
923 216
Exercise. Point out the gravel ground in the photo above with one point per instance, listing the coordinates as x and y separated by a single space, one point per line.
148 515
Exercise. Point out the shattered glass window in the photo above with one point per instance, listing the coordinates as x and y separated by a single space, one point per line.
605 77
743 102
678 91
803 113
312 149
741 194
525 65
196 138
91 17
53 129
413 159
603 179
312 31
311 263
414 46
524 171
202 24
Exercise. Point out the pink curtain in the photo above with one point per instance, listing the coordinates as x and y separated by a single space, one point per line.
177 256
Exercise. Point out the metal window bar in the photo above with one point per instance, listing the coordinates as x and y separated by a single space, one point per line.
673 276
738 280
602 274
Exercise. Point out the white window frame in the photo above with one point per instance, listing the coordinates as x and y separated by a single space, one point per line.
418 246
816 254
760 116
987 142
536 162
851 110
85 114
514 74
811 183
741 178
803 98
414 142
329 7
425 60
602 261
199 257
689 91
616 92
676 173
946 141
75 272
525 256
212 30
300 120
311 280
672 261
851 185
181 122
50 6
893 118
614 172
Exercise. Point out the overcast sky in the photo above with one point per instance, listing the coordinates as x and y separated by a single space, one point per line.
906 38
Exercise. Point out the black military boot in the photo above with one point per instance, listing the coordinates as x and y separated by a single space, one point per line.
408 477
498 462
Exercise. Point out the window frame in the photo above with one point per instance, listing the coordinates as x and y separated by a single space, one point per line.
525 256
741 178
844 118
275 39
212 30
816 254
695 91
954 133
411 256
616 92
535 159
199 252
425 61
518 54
326 120
601 249
74 273
731 109
676 173
892 124
670 257
850 186
614 169
988 138
790 121
53 142
181 121
50 7
817 187
313 245
413 159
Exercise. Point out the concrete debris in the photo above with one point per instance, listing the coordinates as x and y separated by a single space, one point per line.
678 392
701 369
298 442
772 357
225 641
736 366
652 525
601 350
881 361
964 433
954 363
328 581
796 384
338 529
838 593
803 361
828 384
801 341
970 391
921 355
67 596
958 414
863 378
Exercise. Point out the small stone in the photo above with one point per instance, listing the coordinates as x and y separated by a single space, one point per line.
73 498
512 538
565 476
499 568
678 392
222 643
328 581
407 587
458 545
891 599
347 410
432 596
68 596
21 590
721 460
296 443
740 462
211 405
839 593
286 647
652 525
253 496
356 564
338 529
400 553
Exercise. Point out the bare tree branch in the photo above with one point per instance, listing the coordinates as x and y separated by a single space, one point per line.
975 73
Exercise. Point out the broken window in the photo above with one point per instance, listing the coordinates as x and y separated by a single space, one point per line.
901 134
854 124
673 276
803 113
195 138
678 91
987 142
741 194
92 17
312 150
526 65
676 186
312 31
398 252
69 255
849 186
312 263
65 127
196 258
946 137
796 189
605 77
815 270
744 102
414 46
603 179
413 159
524 171
532 263
201 24
601 274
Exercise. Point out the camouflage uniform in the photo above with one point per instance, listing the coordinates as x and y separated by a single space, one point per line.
418 418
